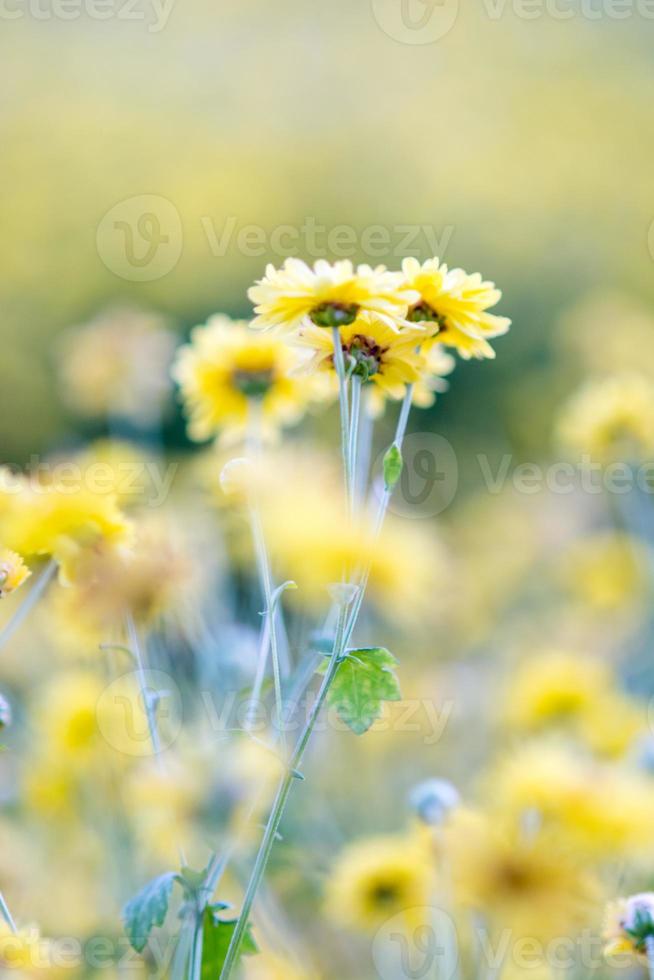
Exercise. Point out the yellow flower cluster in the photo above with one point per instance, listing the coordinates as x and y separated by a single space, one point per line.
392 328
611 419
564 691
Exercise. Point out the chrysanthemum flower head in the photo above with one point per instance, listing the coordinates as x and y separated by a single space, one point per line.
608 571
65 521
377 878
117 364
532 884
453 306
372 350
328 295
13 571
228 373
610 419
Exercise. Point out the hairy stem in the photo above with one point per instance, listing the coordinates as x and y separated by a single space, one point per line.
26 606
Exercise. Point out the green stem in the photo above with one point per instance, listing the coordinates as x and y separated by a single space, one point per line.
6 914
339 365
649 948
195 973
355 414
270 624
29 602
279 805
400 432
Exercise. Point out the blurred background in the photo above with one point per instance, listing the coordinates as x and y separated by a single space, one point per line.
520 143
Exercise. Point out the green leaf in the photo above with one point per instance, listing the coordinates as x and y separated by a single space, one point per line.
216 937
148 909
392 465
364 679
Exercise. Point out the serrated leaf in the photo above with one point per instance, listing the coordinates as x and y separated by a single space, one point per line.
216 937
148 909
392 466
364 679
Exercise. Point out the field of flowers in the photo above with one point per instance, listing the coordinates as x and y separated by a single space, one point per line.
264 716
326 490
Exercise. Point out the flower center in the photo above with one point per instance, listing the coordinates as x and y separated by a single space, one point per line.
385 893
367 355
424 313
334 314
253 384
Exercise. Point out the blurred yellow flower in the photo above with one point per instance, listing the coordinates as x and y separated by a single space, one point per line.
532 884
610 419
604 811
13 572
453 306
25 951
65 521
117 365
408 564
372 350
156 577
607 570
553 687
231 376
329 295
379 877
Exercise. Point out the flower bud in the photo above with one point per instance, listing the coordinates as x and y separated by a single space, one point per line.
433 800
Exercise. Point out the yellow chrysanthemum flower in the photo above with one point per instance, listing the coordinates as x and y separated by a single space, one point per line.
409 566
329 295
610 419
102 363
25 951
555 687
13 572
377 878
435 365
453 306
608 571
228 372
64 521
156 577
602 810
379 354
531 884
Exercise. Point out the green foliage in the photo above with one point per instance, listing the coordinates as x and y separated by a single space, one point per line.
642 929
392 466
364 679
217 934
148 909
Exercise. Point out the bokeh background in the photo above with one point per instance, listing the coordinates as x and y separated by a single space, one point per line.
523 143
